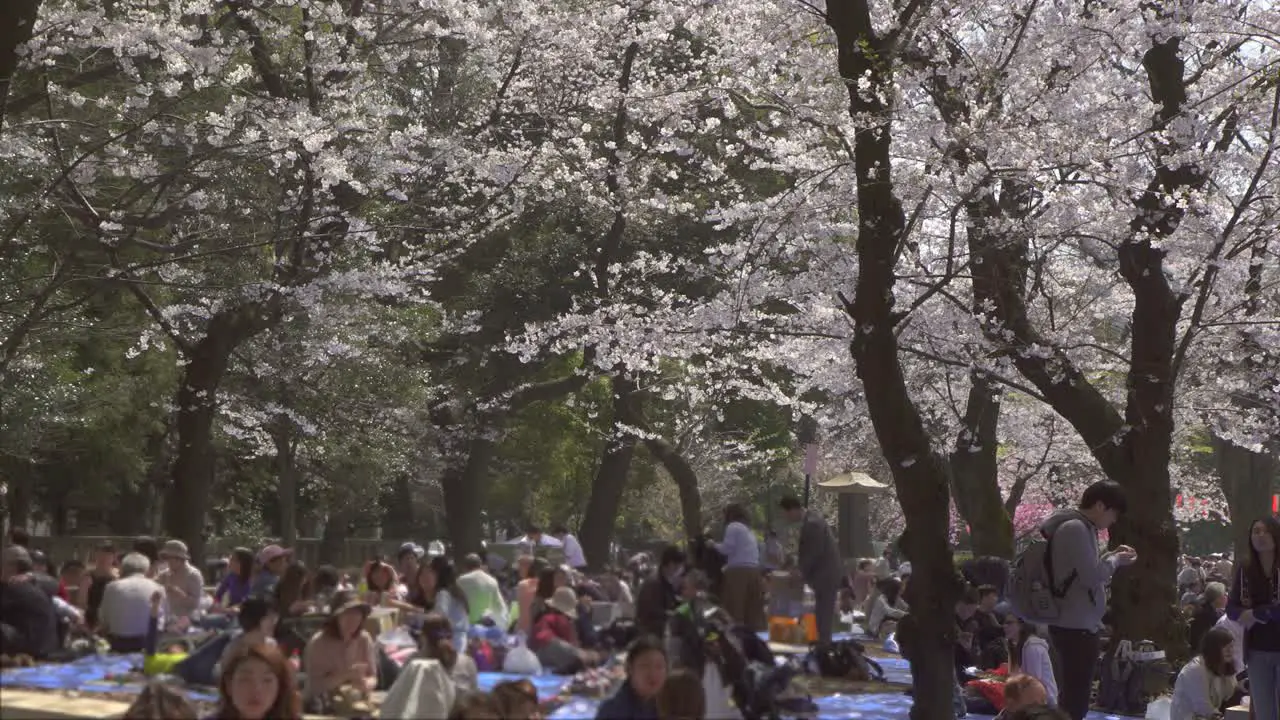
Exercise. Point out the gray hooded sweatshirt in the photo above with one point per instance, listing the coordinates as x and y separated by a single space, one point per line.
1076 557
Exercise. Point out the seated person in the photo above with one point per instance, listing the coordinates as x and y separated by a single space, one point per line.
436 643
1030 655
125 616
70 576
555 639
967 633
989 636
324 583
258 617
617 591
585 623
341 654
1022 691
183 583
1209 609
887 608
637 697
484 596
28 621
103 572
1207 686
234 586
659 595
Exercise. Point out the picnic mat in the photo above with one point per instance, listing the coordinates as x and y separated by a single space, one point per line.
879 706
91 673
548 686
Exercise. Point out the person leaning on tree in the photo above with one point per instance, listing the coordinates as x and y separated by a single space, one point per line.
818 559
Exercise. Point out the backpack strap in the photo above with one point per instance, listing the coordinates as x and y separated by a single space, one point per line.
1048 567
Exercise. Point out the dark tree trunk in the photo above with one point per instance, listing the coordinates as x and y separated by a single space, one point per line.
920 476
206 365
464 485
398 517
287 474
333 537
601 514
1247 479
975 474
686 480
17 20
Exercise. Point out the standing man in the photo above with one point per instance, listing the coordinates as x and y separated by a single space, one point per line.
1081 576
573 555
818 558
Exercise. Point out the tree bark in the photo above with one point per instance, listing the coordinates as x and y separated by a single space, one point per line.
686 480
333 538
1133 449
193 469
975 473
287 473
601 515
464 485
920 476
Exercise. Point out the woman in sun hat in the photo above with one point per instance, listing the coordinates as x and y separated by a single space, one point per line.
343 653
272 560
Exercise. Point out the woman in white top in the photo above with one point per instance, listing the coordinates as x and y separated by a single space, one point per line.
887 608
1030 654
742 591
1206 686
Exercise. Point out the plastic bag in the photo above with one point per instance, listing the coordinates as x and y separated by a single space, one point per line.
522 661
891 644
1159 708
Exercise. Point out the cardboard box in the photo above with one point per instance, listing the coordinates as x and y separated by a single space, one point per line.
1239 712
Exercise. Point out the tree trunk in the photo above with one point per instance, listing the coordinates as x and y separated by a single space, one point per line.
17 20
601 514
920 476
1247 479
206 365
398 517
333 538
464 485
686 480
287 473
975 474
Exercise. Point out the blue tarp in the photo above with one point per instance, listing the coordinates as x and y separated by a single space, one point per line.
88 674
836 707
548 686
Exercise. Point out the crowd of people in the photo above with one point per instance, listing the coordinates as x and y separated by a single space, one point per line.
287 630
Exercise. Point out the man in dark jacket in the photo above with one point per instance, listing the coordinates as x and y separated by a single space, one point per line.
818 558
28 622
659 595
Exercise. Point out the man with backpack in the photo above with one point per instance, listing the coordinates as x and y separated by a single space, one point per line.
1062 583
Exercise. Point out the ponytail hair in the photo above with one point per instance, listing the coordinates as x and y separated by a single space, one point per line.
437 640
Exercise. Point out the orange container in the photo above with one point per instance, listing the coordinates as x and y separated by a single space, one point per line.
810 624
783 630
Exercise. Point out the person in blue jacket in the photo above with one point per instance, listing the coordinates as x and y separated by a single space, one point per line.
637 698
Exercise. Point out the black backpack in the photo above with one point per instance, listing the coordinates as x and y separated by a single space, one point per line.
845 659
1133 674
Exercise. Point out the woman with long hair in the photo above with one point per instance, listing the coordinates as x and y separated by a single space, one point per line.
1206 686
1254 602
743 585
1029 654
258 684
435 589
293 592
234 586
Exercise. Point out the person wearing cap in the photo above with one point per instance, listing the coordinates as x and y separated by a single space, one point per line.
342 653
125 616
183 584
28 621
272 561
